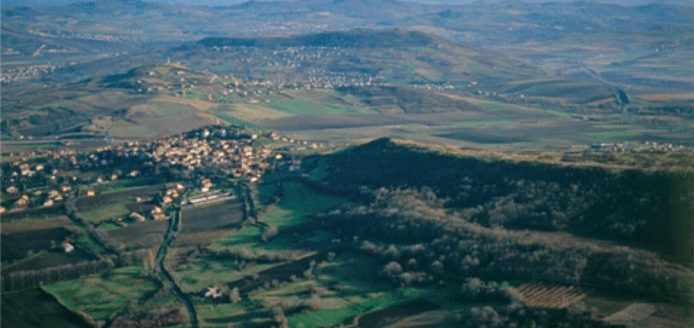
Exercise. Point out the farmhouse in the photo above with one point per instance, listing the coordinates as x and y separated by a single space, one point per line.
22 201
213 292
67 247
157 213
48 203
91 193
12 190
137 217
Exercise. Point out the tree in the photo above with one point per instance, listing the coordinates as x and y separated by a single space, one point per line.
234 295
279 318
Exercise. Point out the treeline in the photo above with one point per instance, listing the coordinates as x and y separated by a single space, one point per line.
516 315
648 208
424 243
31 278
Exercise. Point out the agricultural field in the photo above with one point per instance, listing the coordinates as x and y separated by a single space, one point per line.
293 210
33 214
34 244
226 215
49 259
36 308
18 245
344 292
141 234
550 296
552 179
250 113
108 212
110 196
394 314
102 295
304 107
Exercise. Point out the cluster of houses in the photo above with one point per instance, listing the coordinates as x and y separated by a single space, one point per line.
647 146
207 148
224 150
156 213
298 57
38 196
25 73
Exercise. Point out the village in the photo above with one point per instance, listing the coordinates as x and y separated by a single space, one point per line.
195 158
646 146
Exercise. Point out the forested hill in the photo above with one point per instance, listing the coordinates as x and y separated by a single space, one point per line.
522 216
599 195
359 38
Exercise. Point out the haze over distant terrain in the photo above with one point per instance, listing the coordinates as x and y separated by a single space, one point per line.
235 2
347 163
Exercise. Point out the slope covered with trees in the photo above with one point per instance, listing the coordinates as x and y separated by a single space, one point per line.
436 214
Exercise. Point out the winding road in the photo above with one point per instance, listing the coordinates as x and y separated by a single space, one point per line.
622 96
160 269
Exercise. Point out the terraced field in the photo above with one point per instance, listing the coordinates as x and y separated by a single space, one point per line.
550 296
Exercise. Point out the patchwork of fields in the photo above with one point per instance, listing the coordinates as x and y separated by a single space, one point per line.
284 258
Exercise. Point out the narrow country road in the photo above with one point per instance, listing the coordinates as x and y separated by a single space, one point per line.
622 96
166 276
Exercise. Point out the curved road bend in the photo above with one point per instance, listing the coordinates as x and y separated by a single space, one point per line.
166 276
622 95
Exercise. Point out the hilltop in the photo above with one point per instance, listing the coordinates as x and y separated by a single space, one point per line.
616 197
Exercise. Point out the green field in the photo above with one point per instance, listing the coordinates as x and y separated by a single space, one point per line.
195 94
482 123
304 107
334 317
222 115
125 129
494 106
160 109
299 203
101 295
222 314
85 242
204 272
611 136
107 212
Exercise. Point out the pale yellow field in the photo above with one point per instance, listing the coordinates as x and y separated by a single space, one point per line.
667 96
195 103
255 113
23 226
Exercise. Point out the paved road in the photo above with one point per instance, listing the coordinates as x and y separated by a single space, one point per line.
166 276
622 96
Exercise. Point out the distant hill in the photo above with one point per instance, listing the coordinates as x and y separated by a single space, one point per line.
626 40
383 56
360 38
217 3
